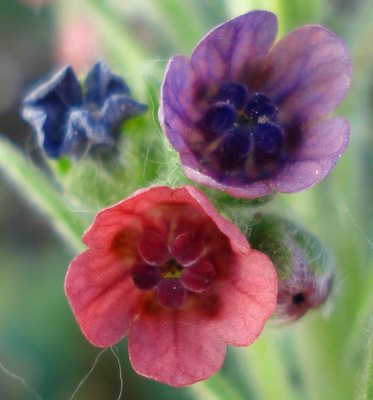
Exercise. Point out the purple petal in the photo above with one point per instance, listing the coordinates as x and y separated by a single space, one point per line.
178 109
323 144
187 247
308 74
191 168
153 248
235 50
171 293
325 139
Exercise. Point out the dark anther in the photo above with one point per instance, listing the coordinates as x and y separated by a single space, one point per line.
269 138
235 147
218 119
260 107
298 298
233 93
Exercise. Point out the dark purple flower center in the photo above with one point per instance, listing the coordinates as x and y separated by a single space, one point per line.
172 273
243 131
171 269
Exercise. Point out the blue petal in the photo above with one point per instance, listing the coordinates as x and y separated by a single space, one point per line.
83 131
119 108
63 88
101 84
47 107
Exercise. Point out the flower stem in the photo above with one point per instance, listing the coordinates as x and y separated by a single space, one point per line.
268 370
122 45
366 388
42 193
171 15
217 387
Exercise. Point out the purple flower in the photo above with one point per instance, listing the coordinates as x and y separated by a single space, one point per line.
247 116
68 121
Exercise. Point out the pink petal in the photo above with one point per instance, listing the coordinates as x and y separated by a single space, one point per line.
187 247
124 217
146 276
308 74
198 277
247 299
235 50
153 248
102 295
237 239
175 347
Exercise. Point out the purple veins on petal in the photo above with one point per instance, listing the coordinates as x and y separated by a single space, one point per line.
171 293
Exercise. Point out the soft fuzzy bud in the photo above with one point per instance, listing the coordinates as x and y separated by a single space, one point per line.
303 265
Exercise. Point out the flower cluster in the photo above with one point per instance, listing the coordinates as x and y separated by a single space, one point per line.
247 116
68 122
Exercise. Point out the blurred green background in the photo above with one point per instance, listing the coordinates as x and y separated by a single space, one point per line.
43 355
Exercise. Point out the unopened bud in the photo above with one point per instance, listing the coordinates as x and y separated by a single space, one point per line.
303 265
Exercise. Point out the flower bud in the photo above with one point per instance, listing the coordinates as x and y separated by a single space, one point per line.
303 265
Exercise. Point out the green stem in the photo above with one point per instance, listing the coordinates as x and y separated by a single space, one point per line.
37 189
268 369
365 392
123 47
217 387
172 16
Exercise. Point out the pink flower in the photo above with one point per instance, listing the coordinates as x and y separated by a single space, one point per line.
182 281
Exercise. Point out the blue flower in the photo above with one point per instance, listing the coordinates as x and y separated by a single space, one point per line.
247 115
69 120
